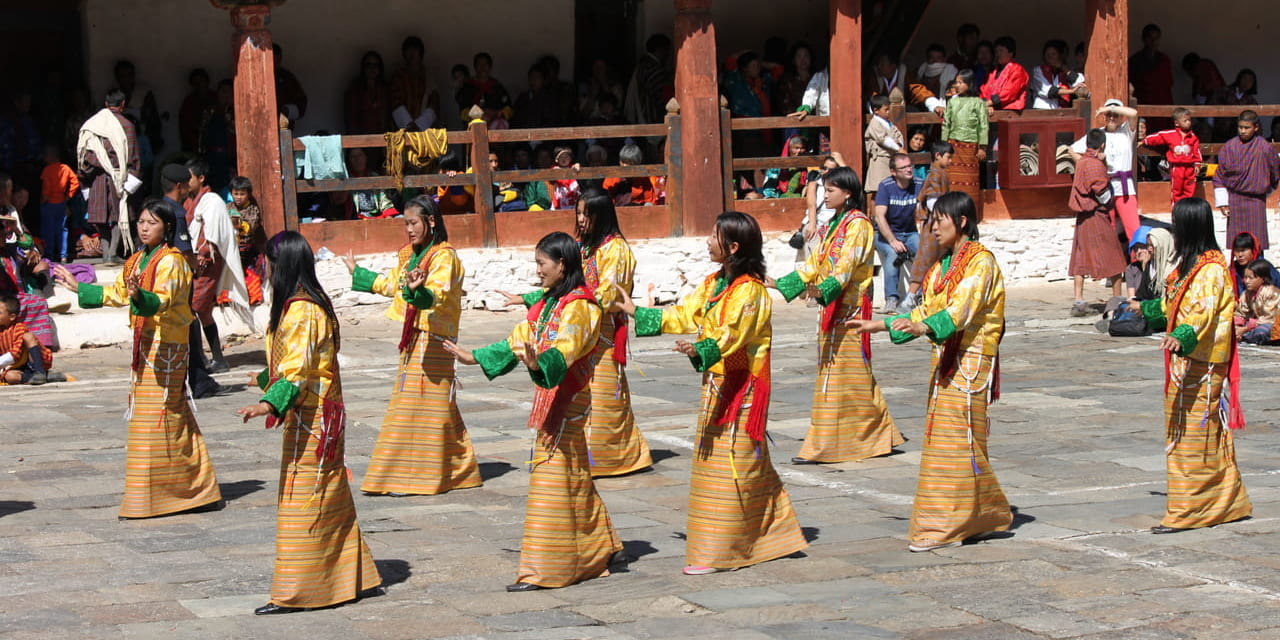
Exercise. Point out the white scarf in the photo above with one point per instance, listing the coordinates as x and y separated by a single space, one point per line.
105 126
211 218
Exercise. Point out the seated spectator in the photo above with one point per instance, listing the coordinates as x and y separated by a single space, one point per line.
484 91
1244 91
1006 85
22 359
1141 276
455 198
537 106
506 195
1206 79
597 156
639 190
984 59
1244 251
607 113
789 182
888 75
367 203
599 86
918 142
564 192
1053 85
201 97
965 55
415 102
750 95
935 73
565 94
366 106
1259 304
461 75
790 94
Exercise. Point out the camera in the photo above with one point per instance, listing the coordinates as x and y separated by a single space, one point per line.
903 257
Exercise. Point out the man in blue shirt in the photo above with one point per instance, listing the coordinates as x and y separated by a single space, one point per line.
895 217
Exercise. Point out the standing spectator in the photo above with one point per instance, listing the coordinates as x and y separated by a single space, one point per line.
107 159
217 253
291 100
984 59
652 83
1095 253
1053 85
58 185
1206 80
539 106
881 140
193 107
817 215
141 106
484 91
367 102
1182 150
415 102
21 147
935 185
1248 170
887 75
218 137
1151 73
790 94
1244 91
966 53
965 127
601 84
895 218
935 73
750 94
564 93
1006 86
1120 124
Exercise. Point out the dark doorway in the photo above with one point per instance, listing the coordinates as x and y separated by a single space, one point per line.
605 29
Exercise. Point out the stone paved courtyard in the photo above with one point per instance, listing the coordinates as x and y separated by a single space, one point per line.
1076 441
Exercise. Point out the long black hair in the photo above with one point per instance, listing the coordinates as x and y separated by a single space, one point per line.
427 208
562 248
1192 232
958 206
845 179
598 207
167 214
741 228
966 76
293 268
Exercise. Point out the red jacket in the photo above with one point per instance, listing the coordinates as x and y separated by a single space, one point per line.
1006 88
1181 147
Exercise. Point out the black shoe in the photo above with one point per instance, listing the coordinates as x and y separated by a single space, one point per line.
212 506
208 392
219 366
1159 529
620 558
38 378
523 586
56 376
798 460
373 592
272 608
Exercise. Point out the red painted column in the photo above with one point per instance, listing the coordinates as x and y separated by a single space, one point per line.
1107 67
257 120
702 179
846 81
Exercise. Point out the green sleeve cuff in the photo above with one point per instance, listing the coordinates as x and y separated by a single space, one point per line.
551 369
281 396
496 359
144 303
805 108
830 290
1186 336
1153 311
898 337
362 279
708 353
648 321
533 297
941 327
790 285
421 298
263 379
90 296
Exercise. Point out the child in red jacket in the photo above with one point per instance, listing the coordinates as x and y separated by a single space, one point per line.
1182 150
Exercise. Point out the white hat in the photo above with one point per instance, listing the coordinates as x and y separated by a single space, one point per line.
1113 103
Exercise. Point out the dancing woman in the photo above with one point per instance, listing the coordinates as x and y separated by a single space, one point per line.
321 558
167 467
423 447
850 419
568 536
1202 378
957 494
739 513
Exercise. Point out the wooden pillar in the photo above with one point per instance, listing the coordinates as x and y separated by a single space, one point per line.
845 73
1107 66
257 119
484 182
702 179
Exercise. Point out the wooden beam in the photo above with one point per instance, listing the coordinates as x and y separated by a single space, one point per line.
483 182
1107 35
257 119
698 94
845 72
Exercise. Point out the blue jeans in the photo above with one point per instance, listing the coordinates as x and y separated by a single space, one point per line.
892 273
1257 335
53 230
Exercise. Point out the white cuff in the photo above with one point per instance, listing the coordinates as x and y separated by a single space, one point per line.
1104 197
131 183
6 360
932 103
401 117
891 144
84 193
1220 197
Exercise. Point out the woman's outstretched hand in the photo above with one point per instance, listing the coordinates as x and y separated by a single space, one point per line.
254 411
865 326
624 303
64 277
513 300
685 347
461 355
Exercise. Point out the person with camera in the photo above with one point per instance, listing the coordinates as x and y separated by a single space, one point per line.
895 218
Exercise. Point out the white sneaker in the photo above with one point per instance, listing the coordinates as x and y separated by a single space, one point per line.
914 548
890 306
912 301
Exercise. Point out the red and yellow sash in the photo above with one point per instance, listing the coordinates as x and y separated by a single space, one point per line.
409 328
551 405
591 271
946 285
738 379
830 313
1177 289
147 281
333 413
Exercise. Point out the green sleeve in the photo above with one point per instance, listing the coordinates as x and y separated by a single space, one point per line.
707 354
263 379
281 396
533 297
421 298
496 359
790 285
648 321
1186 336
362 279
144 303
941 327
898 337
830 289
805 108
1153 311
551 369
90 296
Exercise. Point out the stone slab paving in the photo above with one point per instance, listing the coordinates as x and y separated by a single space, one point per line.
1077 443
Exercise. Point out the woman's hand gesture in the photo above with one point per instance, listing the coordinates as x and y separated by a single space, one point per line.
63 276
513 300
461 355
624 302
254 411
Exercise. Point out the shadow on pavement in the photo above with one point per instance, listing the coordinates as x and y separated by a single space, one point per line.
10 507
239 489
393 571
491 470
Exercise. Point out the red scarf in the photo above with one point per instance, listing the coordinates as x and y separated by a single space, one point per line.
1054 78
333 413
1177 290
591 271
829 312
550 405
738 380
946 285
147 281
